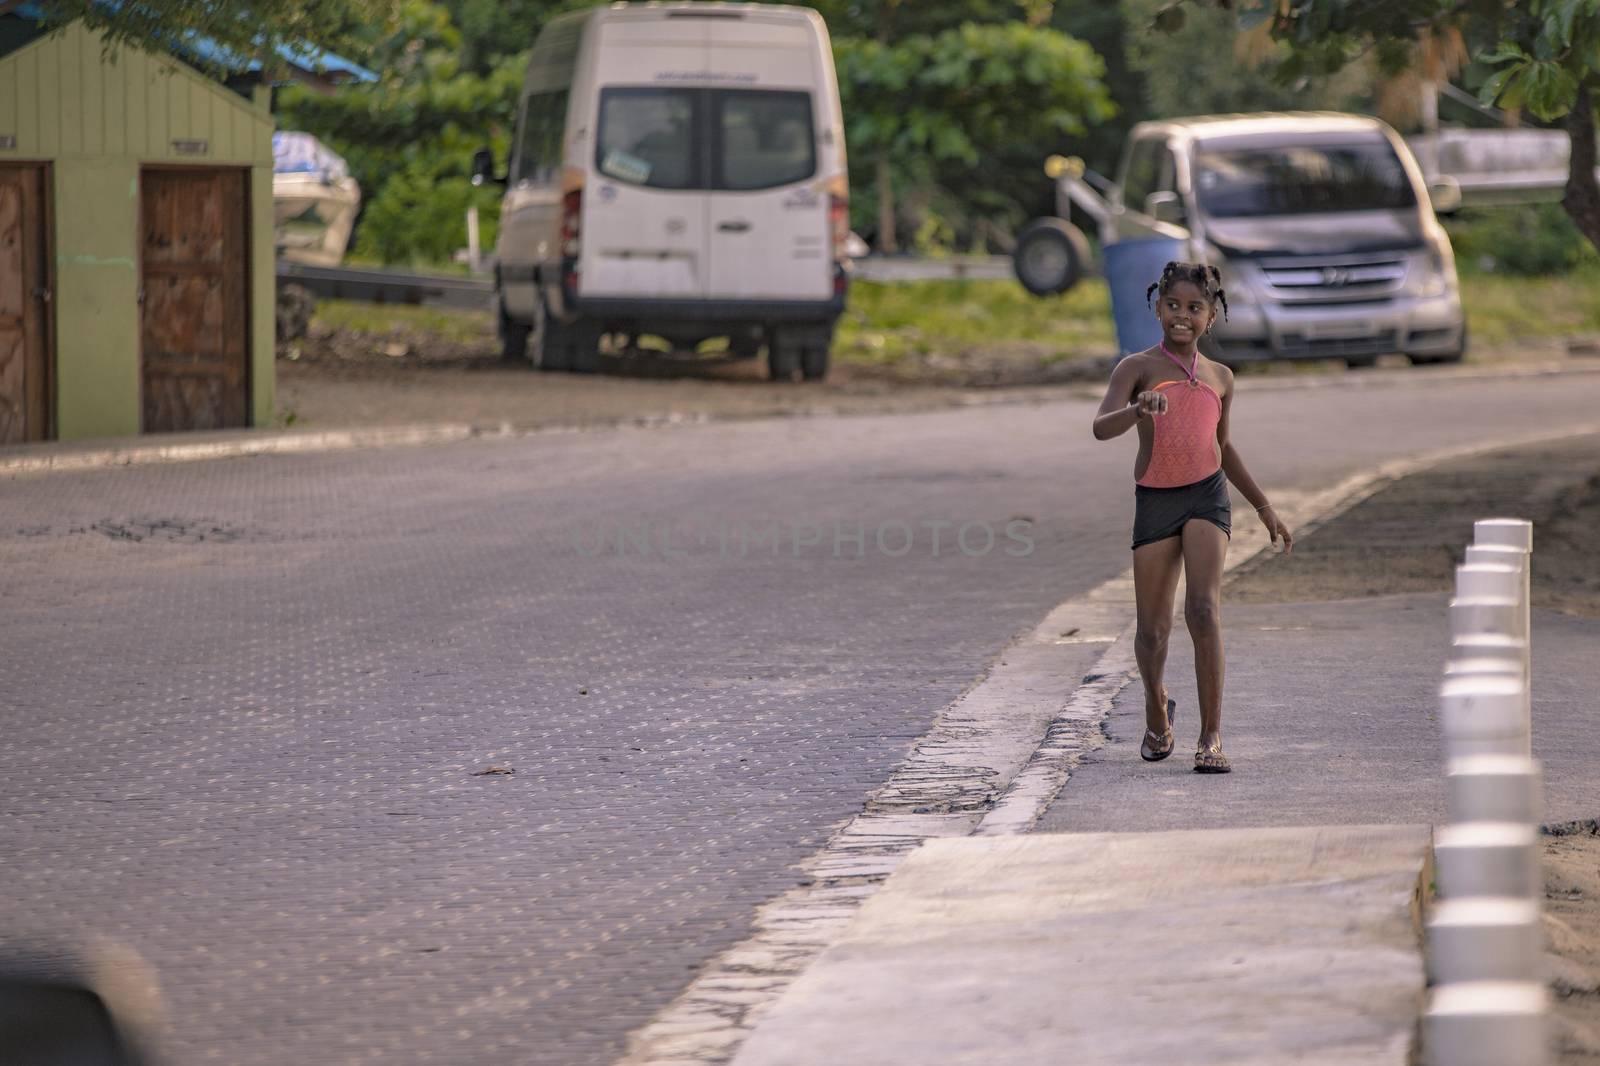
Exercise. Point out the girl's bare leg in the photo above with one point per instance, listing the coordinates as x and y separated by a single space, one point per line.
1205 548
1155 583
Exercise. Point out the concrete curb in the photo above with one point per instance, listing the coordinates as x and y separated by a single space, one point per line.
173 449
53 458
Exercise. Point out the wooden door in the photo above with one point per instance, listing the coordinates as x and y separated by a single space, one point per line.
24 335
194 277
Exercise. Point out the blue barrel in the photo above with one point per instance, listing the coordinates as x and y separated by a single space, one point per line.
1130 267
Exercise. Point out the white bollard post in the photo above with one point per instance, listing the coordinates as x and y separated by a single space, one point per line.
1494 788
1487 859
1485 939
1489 581
1487 1023
1488 646
1497 616
1516 534
1484 714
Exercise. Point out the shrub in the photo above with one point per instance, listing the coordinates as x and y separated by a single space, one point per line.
1527 240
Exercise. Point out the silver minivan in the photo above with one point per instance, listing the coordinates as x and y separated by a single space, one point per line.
1322 225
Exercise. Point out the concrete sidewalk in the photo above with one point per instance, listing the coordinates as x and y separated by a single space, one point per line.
1330 716
1158 915
1223 947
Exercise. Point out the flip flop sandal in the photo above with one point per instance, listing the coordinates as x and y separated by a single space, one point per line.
1150 753
1210 760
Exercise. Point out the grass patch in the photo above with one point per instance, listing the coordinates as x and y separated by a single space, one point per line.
888 321
445 323
1502 309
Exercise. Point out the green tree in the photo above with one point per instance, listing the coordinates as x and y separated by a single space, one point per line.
953 115
1544 56
254 29
409 138
1206 66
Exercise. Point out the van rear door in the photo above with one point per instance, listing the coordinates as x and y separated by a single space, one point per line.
769 221
644 206
769 211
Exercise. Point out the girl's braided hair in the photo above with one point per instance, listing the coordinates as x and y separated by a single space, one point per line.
1203 276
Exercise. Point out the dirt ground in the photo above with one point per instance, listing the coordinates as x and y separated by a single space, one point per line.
1572 928
343 378
1408 537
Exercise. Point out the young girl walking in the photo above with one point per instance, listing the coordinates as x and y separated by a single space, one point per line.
1180 402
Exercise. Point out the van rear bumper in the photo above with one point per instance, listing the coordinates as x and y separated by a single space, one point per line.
723 311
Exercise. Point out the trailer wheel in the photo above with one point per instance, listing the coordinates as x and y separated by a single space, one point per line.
1051 256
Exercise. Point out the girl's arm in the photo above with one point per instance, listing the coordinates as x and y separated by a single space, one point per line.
1233 466
1124 405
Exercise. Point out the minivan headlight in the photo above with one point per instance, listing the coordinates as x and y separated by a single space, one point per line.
1433 269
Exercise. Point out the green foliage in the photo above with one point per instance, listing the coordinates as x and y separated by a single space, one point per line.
1527 240
1194 68
964 115
409 138
248 28
1544 55
420 218
888 322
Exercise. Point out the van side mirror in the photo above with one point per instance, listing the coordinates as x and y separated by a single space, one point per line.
483 168
1445 192
1165 207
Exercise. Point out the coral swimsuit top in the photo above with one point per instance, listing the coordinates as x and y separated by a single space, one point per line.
1184 450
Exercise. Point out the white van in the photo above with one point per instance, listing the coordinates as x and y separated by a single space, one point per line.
678 169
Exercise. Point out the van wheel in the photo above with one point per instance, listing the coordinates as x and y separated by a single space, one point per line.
513 340
783 357
745 344
568 346
1051 256
814 361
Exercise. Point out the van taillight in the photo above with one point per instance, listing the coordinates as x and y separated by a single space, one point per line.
839 221
571 223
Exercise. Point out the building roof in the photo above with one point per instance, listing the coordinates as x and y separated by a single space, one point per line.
304 63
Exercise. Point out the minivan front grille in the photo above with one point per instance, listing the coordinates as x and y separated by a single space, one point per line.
1344 279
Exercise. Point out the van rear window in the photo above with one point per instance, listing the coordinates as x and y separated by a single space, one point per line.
1301 179
650 137
765 139
735 139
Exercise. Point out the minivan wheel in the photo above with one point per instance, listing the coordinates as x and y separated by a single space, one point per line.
1051 256
1448 357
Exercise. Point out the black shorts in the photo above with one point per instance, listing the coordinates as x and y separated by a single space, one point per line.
1162 513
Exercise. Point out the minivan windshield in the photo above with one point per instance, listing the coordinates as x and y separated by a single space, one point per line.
744 139
1300 179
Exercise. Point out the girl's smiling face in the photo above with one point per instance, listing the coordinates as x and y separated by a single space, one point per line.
1185 313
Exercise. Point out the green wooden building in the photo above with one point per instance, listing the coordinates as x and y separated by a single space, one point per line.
136 240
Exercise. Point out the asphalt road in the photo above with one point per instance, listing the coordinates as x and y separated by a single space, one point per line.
244 700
